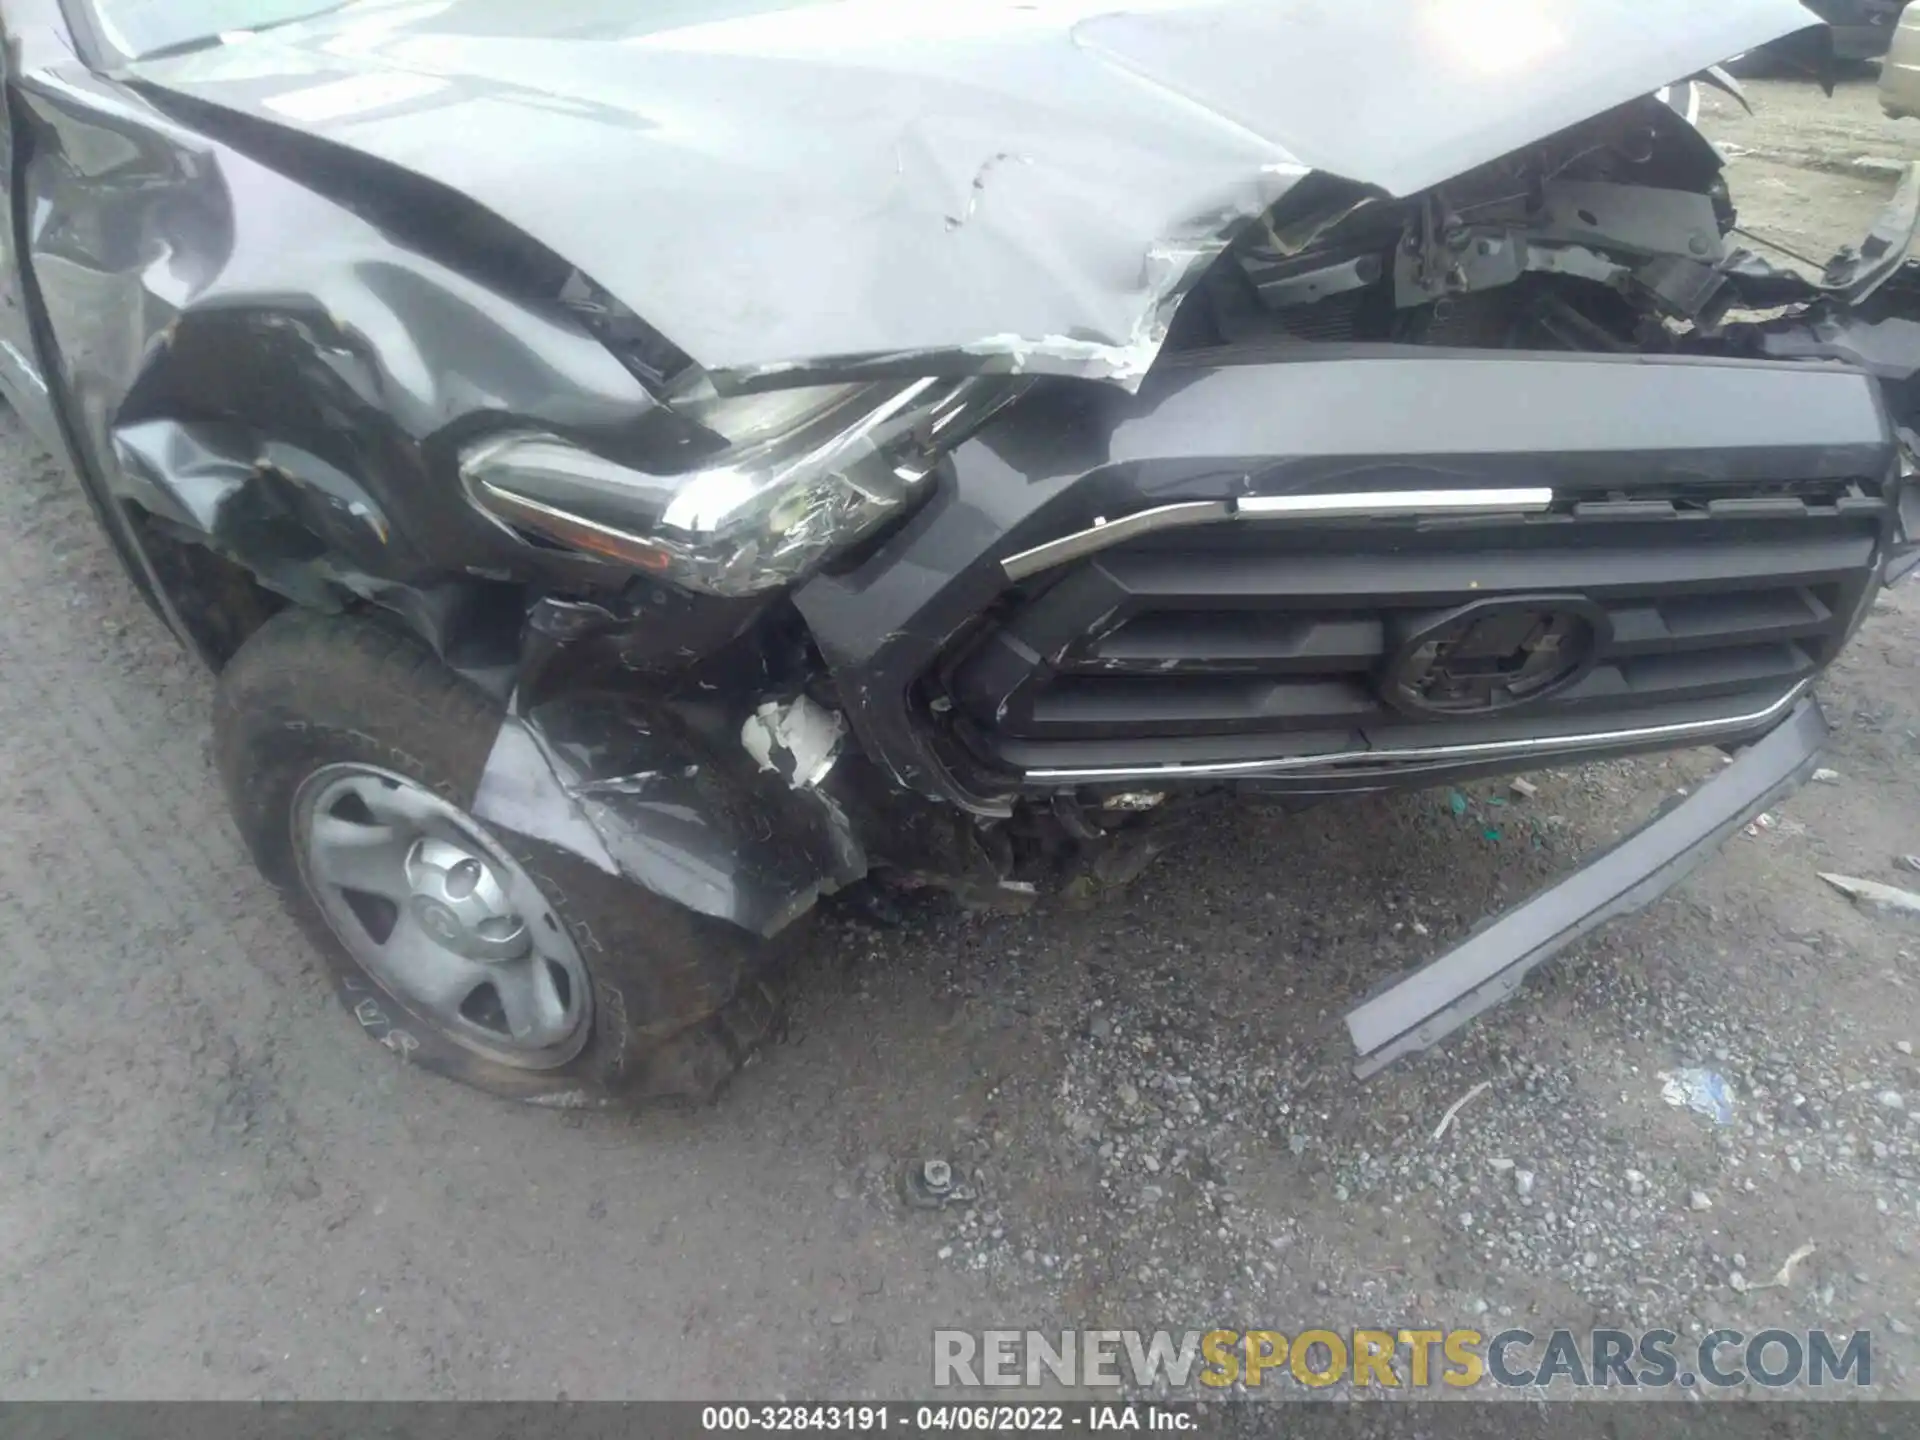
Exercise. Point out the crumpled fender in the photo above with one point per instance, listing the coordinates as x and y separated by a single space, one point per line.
253 373
244 364
628 790
752 829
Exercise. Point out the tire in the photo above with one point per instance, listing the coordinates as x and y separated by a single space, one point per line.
673 1002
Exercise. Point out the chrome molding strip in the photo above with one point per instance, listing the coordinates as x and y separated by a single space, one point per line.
1364 504
1356 759
1395 502
1111 532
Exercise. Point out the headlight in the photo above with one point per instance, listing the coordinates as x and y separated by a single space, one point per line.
805 472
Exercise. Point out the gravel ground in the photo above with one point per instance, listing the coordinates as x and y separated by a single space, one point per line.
212 1187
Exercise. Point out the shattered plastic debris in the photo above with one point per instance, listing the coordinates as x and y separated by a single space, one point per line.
568 1100
1874 895
807 732
1462 806
1705 1092
1446 1120
1770 822
1783 1277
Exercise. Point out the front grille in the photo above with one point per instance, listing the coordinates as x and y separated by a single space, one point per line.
1267 640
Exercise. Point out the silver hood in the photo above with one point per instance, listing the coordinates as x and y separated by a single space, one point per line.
987 184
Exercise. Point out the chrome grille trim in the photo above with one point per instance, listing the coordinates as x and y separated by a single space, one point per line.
1360 759
1353 505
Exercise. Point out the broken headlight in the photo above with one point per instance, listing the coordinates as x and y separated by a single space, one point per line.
801 473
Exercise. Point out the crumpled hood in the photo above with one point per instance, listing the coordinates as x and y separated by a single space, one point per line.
1032 185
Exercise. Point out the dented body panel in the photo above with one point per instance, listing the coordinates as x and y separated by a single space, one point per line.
1030 186
1288 289
276 400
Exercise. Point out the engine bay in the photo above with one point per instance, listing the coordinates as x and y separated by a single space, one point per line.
1617 235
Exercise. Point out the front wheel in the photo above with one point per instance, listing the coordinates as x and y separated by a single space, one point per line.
350 754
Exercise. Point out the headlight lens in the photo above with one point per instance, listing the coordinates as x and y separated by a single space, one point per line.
806 472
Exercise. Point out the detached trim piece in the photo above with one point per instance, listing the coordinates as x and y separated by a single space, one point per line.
1435 1001
1357 505
1369 759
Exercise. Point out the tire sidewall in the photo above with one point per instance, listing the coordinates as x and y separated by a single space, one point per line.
284 753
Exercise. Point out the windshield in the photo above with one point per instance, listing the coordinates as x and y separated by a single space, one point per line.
140 27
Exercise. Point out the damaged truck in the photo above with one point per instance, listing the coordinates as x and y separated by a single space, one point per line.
637 470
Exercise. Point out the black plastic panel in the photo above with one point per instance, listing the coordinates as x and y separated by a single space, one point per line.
1674 479
1270 640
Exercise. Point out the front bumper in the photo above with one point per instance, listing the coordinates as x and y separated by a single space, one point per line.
1488 967
1728 521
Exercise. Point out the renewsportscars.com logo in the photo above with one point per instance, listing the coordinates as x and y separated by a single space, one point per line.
1204 1361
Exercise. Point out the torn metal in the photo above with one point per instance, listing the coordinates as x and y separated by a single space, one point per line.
841 178
635 797
752 828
